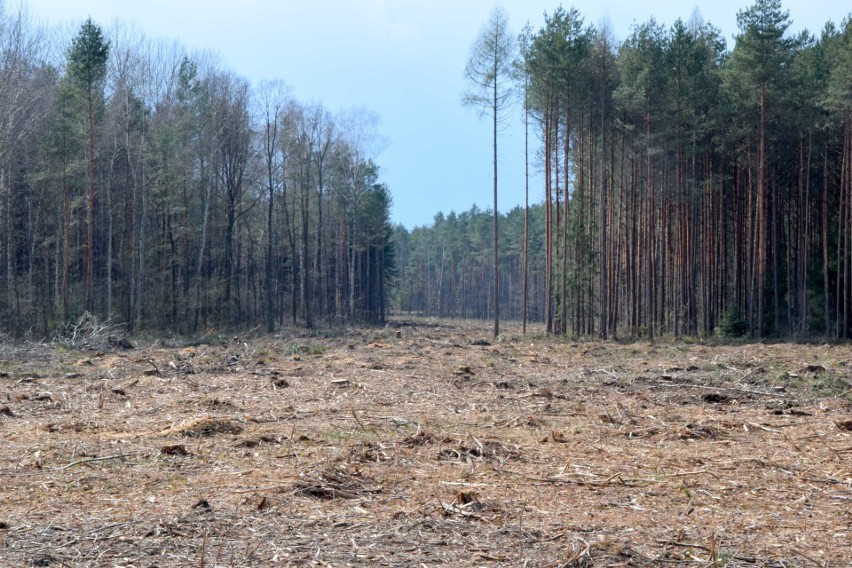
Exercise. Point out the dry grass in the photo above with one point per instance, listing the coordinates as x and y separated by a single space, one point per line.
420 446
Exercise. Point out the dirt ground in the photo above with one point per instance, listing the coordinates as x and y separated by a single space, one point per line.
424 444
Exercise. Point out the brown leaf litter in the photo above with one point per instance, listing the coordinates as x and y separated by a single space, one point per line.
425 445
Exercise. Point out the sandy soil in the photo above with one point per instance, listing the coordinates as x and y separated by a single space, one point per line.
424 444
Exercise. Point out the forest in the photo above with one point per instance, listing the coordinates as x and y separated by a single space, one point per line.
218 349
689 189
156 189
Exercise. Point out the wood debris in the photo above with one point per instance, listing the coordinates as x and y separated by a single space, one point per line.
543 452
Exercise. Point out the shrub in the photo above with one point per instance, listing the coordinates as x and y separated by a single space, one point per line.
732 324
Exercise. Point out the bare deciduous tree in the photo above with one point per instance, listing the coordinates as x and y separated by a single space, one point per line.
489 77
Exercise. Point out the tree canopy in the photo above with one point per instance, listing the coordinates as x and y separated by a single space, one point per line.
689 188
159 190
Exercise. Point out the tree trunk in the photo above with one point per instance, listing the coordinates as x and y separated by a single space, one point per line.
526 210
649 250
761 219
548 221
90 209
494 224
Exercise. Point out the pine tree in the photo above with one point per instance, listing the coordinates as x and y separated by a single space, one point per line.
87 65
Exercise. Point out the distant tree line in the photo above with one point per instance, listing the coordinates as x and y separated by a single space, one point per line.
156 188
688 188
446 268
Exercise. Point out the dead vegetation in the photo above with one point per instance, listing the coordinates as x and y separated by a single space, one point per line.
424 445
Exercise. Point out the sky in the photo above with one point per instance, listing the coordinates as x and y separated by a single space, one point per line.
402 59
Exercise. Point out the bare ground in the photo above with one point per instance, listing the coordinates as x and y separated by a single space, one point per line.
422 444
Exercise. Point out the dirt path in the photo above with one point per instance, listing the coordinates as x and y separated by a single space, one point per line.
424 445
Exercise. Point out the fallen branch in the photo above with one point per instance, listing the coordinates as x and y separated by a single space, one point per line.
91 460
683 545
728 389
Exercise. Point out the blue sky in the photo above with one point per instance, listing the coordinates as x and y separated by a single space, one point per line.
402 59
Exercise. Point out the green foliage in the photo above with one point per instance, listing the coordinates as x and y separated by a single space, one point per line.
642 66
87 57
314 349
732 325
558 58
63 138
838 47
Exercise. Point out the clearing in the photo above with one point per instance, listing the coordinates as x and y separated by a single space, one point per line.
423 444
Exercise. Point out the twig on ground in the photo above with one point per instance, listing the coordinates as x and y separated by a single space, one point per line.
729 389
91 460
